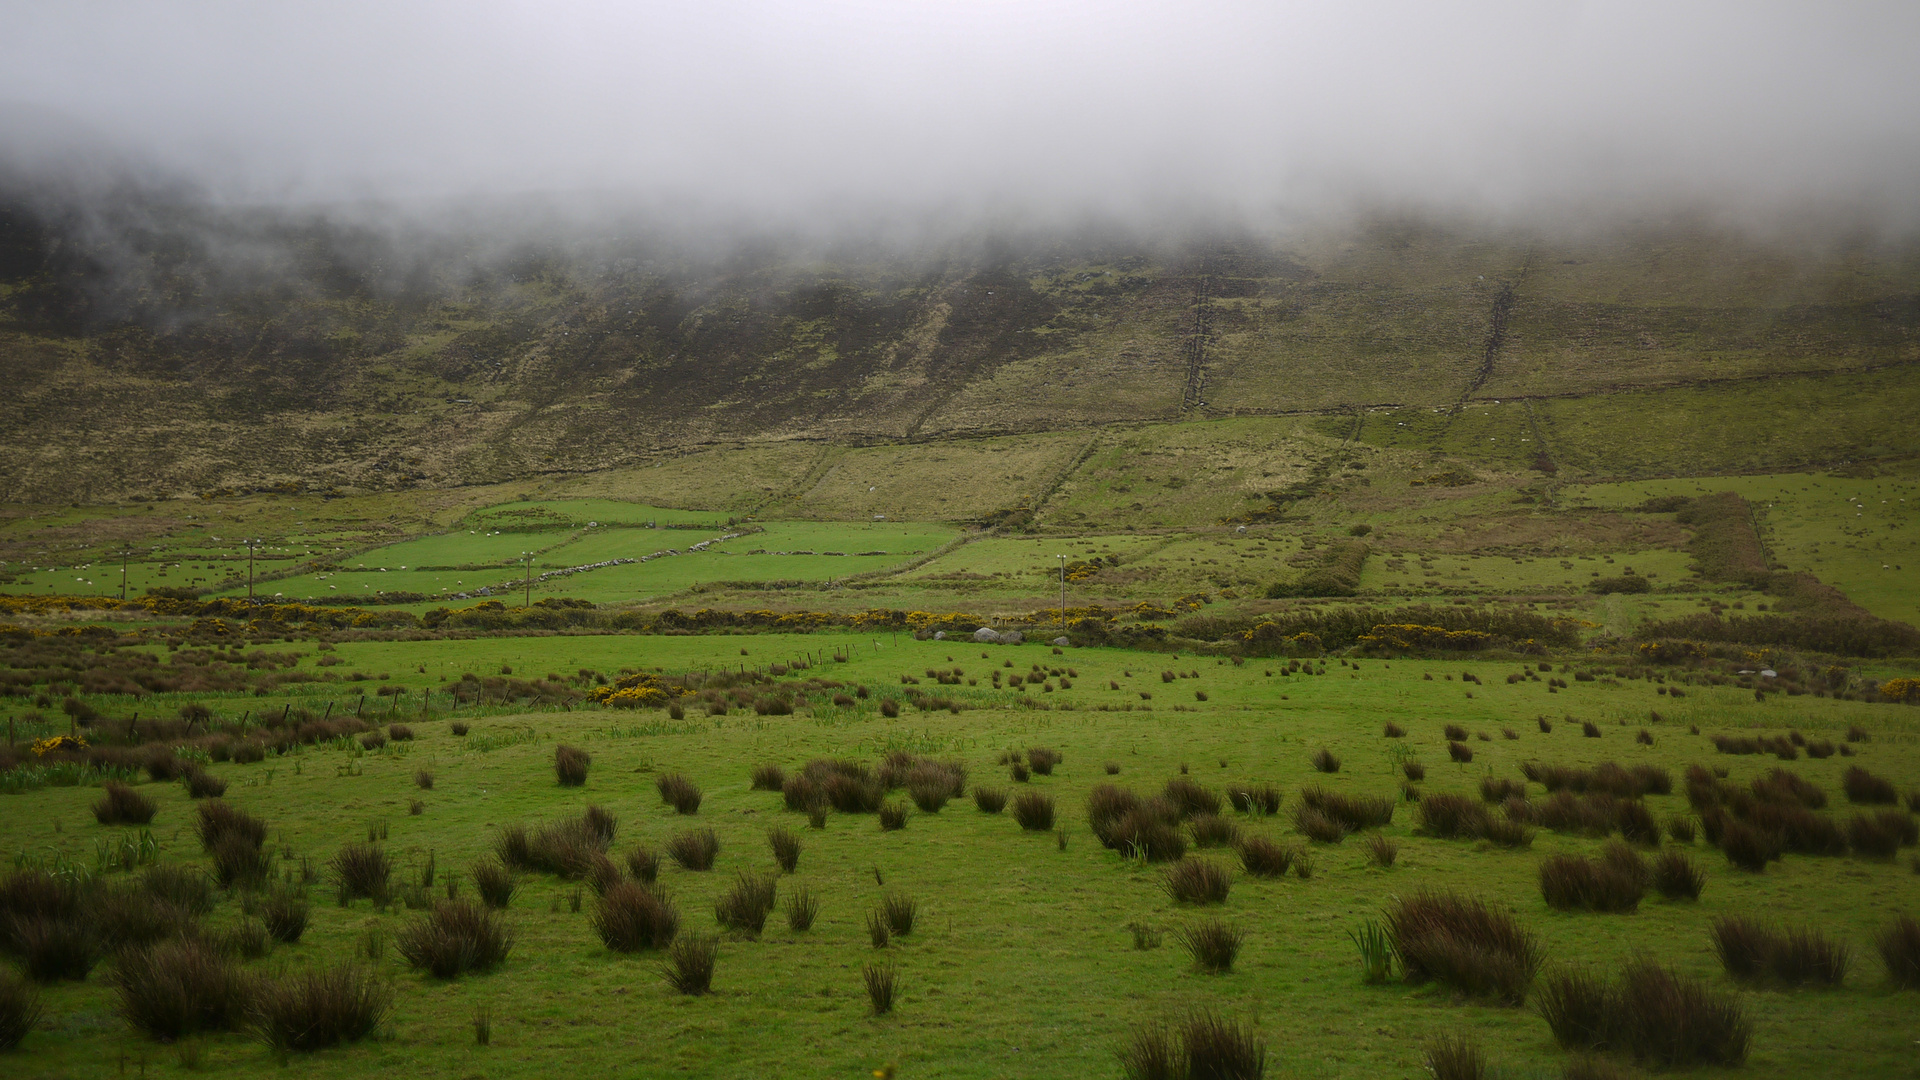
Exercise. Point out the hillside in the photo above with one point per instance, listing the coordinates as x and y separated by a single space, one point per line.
175 350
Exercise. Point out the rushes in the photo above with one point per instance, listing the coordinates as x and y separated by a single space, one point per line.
1262 857
1324 760
802 908
1464 942
1381 851
1899 945
1455 1057
1213 944
786 847
630 917
179 987
1676 876
744 908
312 1010
679 792
990 800
694 849
20 1009
1614 882
893 815
495 883
284 911
769 777
124 806
1198 881
1751 950
690 963
1376 952
457 937
899 909
570 765
1034 811
880 982
362 870
1204 1046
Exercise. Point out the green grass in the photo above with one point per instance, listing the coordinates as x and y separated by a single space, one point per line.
1019 945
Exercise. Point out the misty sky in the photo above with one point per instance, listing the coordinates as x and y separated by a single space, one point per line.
1039 105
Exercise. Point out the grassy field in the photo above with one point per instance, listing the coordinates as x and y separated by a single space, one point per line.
1021 963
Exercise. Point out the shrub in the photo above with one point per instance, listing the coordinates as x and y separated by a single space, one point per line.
1460 752
899 909
179 987
1262 857
458 936
284 912
1034 811
690 964
744 908
880 980
1673 1021
495 883
1455 1057
20 1009
1212 830
769 777
202 784
52 948
1198 881
990 800
802 908
694 849
1382 851
893 815
124 806
1213 944
1188 797
1580 1008
1042 760
216 819
1899 944
1324 760
630 917
570 765
1862 786
1463 942
362 870
1677 878
312 1010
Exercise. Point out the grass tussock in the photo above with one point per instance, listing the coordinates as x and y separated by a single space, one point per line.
1261 799
744 908
1204 1046
786 847
313 1010
202 784
802 909
121 805
1262 857
20 1009
1614 882
643 863
1862 786
1454 1057
495 883
679 792
631 917
1324 761
694 849
990 800
1381 851
179 987
769 777
1755 951
215 820
284 911
880 982
1212 830
1676 876
1899 945
456 937
1213 944
690 963
899 910
1187 797
1034 811
893 816
1352 812
570 764
1465 943
362 870
1660 1018
1198 881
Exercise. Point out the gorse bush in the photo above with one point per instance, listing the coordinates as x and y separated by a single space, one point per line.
630 917
313 1010
1465 943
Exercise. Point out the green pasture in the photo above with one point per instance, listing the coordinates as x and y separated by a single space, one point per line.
1021 963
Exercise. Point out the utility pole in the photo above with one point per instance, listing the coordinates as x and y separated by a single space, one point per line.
528 555
123 573
1063 593
250 547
